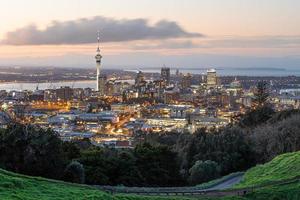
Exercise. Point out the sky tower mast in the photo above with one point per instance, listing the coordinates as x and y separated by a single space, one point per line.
98 58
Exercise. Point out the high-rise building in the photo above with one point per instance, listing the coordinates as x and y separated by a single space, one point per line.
177 73
139 78
165 75
102 84
98 58
186 81
211 79
64 93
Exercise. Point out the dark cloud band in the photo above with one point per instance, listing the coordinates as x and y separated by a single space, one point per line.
83 31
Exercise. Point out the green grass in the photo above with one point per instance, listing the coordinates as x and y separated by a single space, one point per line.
16 186
282 167
282 192
21 187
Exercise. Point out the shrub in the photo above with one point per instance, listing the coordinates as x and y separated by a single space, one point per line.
74 172
203 171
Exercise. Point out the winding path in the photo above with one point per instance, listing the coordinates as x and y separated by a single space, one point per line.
216 189
226 184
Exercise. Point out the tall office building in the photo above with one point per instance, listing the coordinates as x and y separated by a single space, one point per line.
186 81
177 73
165 75
64 93
211 79
98 58
139 78
102 84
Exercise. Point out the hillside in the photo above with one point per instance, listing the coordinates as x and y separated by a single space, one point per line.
16 186
282 167
286 166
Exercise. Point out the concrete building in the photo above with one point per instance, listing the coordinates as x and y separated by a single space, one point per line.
139 79
102 84
64 94
186 81
211 79
165 75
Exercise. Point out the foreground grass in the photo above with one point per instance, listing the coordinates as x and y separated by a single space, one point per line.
282 167
16 186
281 192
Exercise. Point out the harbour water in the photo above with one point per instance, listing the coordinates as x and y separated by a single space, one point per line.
43 86
19 86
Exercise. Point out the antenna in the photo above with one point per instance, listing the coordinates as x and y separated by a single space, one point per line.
98 40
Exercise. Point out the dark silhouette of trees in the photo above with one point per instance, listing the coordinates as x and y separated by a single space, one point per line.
256 117
32 151
157 164
74 173
261 95
204 171
273 139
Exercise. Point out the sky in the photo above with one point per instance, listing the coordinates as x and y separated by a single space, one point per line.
151 33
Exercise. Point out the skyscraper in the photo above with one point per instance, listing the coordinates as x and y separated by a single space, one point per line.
139 78
186 81
211 80
165 75
98 63
102 84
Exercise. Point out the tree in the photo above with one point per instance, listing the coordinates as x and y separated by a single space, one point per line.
33 151
97 170
277 138
71 150
261 95
256 117
74 173
157 165
204 171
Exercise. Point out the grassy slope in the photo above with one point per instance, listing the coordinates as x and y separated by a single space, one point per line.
16 186
283 167
284 192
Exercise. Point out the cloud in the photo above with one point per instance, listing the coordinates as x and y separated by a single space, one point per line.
254 42
83 31
167 44
223 42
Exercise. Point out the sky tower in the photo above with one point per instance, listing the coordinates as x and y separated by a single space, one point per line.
98 62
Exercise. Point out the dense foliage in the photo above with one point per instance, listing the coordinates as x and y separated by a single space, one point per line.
204 171
32 151
146 165
74 173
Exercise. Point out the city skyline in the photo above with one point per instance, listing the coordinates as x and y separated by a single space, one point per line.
151 33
